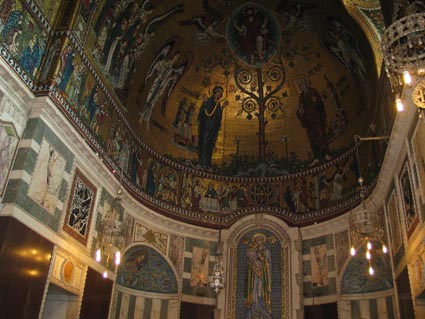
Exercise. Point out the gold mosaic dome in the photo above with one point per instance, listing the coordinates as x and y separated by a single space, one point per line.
212 110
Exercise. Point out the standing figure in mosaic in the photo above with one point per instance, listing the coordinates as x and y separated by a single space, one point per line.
209 124
312 115
164 73
258 292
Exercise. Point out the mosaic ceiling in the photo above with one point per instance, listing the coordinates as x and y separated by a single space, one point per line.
212 109
289 72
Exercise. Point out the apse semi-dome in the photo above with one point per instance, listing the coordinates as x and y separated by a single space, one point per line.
217 109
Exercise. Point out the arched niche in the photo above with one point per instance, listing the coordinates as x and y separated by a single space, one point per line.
365 295
243 241
146 285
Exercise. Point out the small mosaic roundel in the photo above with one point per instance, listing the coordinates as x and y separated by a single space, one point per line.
68 271
253 34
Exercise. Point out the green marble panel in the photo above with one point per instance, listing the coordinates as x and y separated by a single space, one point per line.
25 160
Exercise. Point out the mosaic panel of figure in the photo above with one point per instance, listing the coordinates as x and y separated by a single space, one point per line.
258 278
80 208
8 143
199 194
168 183
22 36
151 179
200 267
145 269
119 34
342 249
419 155
300 194
394 222
408 200
319 265
197 266
418 269
46 181
155 238
356 278
175 252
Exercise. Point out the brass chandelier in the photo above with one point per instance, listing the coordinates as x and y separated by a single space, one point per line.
404 57
365 225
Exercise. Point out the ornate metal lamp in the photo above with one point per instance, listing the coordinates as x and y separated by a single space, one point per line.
217 277
404 56
365 225
111 237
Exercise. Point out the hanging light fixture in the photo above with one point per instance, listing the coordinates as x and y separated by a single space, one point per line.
217 277
365 225
404 55
111 237
399 104
111 233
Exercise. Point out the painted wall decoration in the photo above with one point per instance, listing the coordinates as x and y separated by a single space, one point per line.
9 140
145 269
155 238
46 181
80 208
394 222
408 200
259 274
356 278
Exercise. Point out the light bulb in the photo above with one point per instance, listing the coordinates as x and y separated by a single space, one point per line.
352 251
97 255
117 258
368 255
369 245
384 249
399 105
407 78
371 271
105 274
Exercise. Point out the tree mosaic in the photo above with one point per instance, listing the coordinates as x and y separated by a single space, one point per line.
210 111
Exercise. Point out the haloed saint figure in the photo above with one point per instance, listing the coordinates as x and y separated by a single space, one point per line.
209 124
258 289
